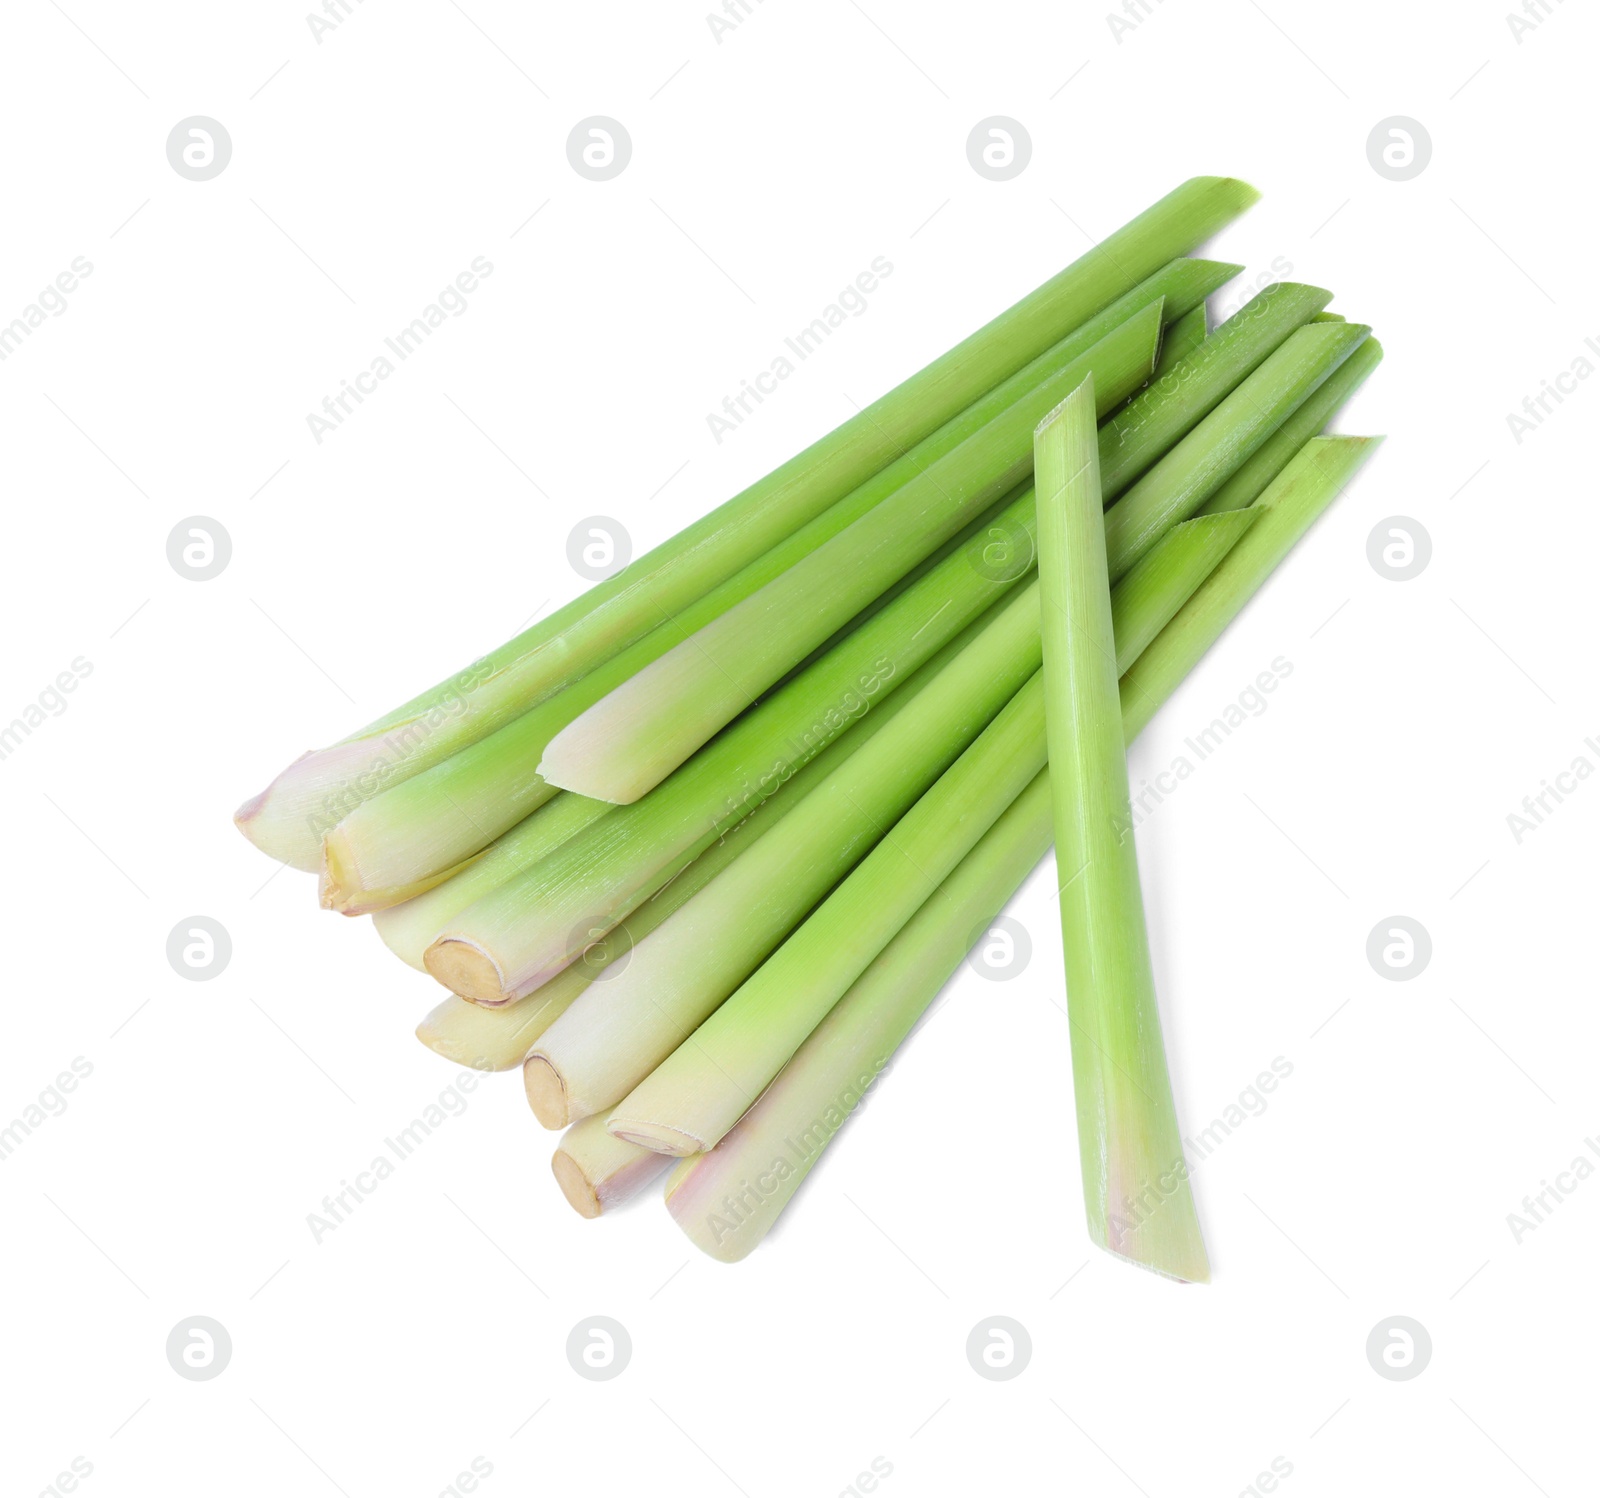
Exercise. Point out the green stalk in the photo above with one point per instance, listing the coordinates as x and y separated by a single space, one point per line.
1188 475
288 819
597 1172
420 830
626 745
1273 456
611 1040
1128 1134
728 1199
1183 336
1287 509
1154 420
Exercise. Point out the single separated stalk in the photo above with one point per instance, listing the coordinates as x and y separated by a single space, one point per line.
1128 1135
610 1041
598 1172
1307 420
420 830
728 1199
627 744
289 818
1193 470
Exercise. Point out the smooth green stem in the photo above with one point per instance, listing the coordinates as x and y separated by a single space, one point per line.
1307 420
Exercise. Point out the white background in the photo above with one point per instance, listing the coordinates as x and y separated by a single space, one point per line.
768 170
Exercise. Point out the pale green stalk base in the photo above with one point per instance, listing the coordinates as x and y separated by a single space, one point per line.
628 743
597 1172
288 819
1308 419
1129 1142
728 1199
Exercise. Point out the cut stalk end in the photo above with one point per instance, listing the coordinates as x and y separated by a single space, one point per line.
664 1139
467 970
547 1093
575 1186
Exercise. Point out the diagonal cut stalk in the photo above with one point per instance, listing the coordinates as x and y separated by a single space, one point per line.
288 819
1129 1142
775 1145
610 1041
1188 475
1183 336
627 744
420 829
1308 419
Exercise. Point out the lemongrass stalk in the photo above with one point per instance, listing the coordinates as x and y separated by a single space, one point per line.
400 840
727 1200
608 1042
749 1178
1326 316
628 743
1193 470
497 1037
1128 1134
288 819
598 1172
699 1092
1148 426
1287 509
1183 336
1309 418
601 1048
408 928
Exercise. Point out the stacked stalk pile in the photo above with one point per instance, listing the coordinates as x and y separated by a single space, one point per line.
698 851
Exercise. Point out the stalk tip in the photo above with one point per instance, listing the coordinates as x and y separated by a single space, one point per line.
547 1092
466 970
